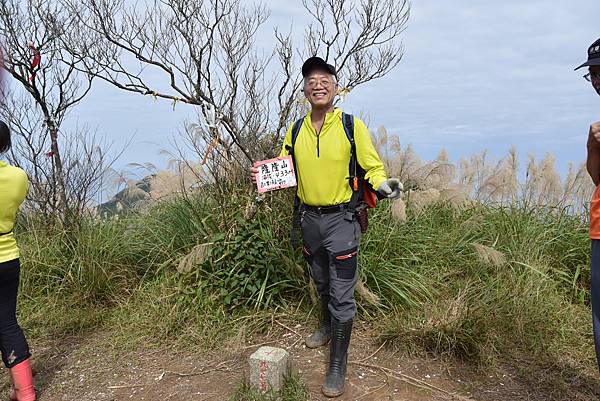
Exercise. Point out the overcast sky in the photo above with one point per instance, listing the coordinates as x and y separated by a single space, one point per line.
476 75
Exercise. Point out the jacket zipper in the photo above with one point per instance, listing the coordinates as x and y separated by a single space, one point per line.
318 149
318 139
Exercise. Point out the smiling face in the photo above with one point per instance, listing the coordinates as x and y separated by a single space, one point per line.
595 76
320 89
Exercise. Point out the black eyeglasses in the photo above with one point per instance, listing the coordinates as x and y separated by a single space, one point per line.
592 76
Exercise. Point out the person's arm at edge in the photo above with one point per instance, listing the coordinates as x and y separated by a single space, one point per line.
593 153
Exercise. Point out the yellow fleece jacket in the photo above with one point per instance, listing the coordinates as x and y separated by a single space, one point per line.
13 190
323 160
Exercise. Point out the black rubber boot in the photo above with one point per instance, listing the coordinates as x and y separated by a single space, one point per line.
323 333
335 380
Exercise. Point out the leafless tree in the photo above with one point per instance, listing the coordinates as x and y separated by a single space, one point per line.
64 169
204 53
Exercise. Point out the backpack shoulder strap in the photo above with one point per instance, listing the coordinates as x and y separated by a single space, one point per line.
355 182
296 130
296 211
348 123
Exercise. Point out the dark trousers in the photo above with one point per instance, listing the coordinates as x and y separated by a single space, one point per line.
331 249
13 345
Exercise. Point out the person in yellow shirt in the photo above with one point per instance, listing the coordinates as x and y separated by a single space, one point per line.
324 157
13 345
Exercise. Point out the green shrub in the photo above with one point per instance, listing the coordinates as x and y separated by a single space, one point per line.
247 266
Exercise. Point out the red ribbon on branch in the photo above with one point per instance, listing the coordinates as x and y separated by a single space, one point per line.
35 61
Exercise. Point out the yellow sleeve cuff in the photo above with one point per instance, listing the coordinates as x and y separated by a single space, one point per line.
376 181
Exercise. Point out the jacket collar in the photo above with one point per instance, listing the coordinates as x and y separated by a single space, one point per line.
330 118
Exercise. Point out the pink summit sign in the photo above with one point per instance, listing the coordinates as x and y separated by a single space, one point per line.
275 174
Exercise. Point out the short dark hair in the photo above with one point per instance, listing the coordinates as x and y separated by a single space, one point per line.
4 137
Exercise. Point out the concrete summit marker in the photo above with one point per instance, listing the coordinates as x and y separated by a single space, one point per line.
268 368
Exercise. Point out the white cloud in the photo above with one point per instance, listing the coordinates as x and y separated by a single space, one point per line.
503 69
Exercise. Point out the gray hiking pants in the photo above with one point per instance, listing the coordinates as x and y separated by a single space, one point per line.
331 249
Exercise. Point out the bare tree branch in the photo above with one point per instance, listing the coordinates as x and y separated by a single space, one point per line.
204 53
63 169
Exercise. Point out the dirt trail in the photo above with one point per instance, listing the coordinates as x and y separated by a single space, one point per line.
70 370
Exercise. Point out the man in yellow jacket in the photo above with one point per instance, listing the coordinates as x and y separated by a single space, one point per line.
330 230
